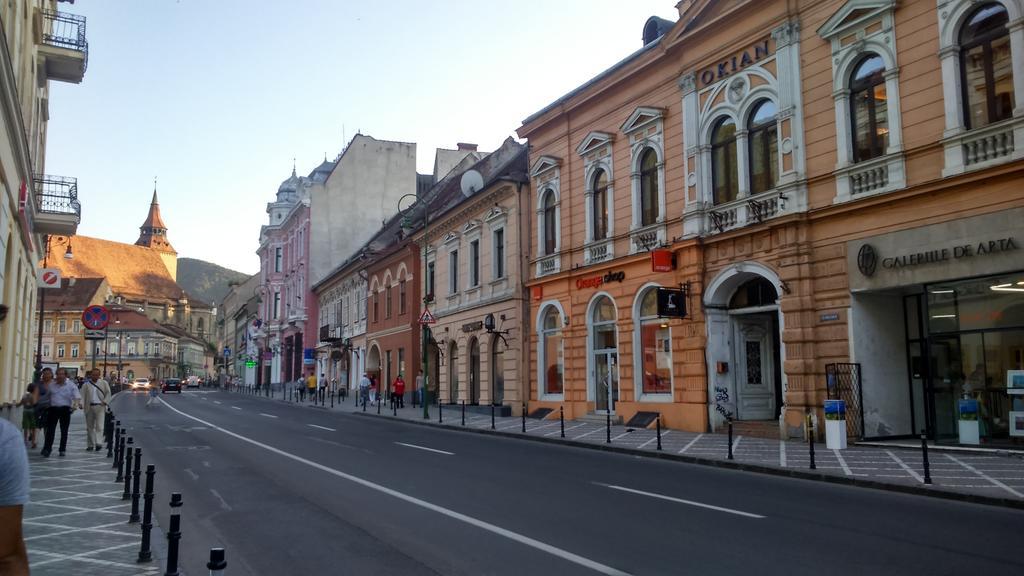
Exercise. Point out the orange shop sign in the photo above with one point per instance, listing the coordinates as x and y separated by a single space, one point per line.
597 281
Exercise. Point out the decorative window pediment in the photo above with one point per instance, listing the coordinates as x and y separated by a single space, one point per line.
471 227
495 213
450 238
852 17
641 118
543 164
594 141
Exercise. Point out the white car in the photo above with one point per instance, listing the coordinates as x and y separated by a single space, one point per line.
141 384
193 382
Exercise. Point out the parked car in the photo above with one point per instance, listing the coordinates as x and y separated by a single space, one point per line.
172 385
141 384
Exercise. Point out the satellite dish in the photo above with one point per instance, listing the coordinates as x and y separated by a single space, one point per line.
472 182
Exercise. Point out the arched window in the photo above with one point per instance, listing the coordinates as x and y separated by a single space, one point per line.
869 109
763 136
551 352
649 210
550 223
986 66
725 181
599 205
453 373
654 349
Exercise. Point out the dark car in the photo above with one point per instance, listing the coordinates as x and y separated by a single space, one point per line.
172 385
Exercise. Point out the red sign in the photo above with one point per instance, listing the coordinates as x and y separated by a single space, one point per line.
537 292
427 318
95 318
597 281
662 260
49 278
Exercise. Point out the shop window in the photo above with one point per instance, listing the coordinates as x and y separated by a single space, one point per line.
725 182
550 355
987 303
599 205
986 67
550 224
763 136
869 114
653 347
649 199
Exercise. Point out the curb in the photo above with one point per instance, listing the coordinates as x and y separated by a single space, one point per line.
733 465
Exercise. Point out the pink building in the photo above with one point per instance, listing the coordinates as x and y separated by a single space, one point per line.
288 308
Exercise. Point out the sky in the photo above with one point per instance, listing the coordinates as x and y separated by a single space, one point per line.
215 98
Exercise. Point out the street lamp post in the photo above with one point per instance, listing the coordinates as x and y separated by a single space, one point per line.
424 328
42 307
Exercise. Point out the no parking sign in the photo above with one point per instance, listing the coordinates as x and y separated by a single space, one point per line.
95 317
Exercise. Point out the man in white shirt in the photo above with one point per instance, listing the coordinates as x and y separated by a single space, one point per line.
95 397
13 497
64 398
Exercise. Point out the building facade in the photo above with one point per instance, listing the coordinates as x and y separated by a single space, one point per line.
474 281
40 44
747 157
341 349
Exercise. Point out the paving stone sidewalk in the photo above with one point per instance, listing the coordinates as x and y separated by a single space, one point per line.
76 522
998 475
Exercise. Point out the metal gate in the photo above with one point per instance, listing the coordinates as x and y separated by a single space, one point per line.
843 380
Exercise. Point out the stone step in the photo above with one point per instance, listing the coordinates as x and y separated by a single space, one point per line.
600 418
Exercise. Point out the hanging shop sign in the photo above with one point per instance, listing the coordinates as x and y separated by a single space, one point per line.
307 356
736 62
671 303
598 281
662 260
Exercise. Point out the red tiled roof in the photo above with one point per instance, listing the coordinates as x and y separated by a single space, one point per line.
132 271
73 297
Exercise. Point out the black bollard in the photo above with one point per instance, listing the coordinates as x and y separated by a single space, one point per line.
463 412
440 410
813 465
561 419
394 408
128 469
110 438
117 447
136 476
524 418
217 564
145 554
332 400
492 416
924 459
608 427
380 402
657 422
730 439
364 404
108 430
173 537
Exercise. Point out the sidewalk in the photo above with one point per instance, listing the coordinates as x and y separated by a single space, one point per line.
993 478
76 522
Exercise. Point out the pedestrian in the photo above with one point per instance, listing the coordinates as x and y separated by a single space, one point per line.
311 386
28 414
14 489
64 399
154 389
300 385
43 395
95 397
419 391
373 390
399 391
364 388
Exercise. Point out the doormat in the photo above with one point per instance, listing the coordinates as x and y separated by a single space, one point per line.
539 413
642 420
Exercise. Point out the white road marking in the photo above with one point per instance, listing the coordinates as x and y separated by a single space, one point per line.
373 485
192 474
736 443
223 503
653 438
425 448
691 443
322 427
267 415
216 401
567 429
985 476
236 407
842 462
782 453
681 501
903 465
594 431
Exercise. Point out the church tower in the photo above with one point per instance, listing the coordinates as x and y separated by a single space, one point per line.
153 234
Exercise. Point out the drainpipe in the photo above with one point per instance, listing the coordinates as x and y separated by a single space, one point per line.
703 311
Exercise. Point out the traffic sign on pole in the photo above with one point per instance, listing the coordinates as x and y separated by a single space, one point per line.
427 318
95 317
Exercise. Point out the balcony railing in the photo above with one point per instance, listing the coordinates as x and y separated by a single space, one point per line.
745 211
65 32
58 210
988 144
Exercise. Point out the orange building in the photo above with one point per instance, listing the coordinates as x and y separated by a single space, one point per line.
835 188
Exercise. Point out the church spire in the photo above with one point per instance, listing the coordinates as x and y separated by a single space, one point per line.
153 232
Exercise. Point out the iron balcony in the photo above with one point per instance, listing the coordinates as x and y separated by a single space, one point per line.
63 45
58 210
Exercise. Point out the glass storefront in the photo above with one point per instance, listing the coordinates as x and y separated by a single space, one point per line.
965 342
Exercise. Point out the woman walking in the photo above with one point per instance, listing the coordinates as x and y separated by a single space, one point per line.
29 422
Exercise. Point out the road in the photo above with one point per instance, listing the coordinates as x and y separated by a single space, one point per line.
290 489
